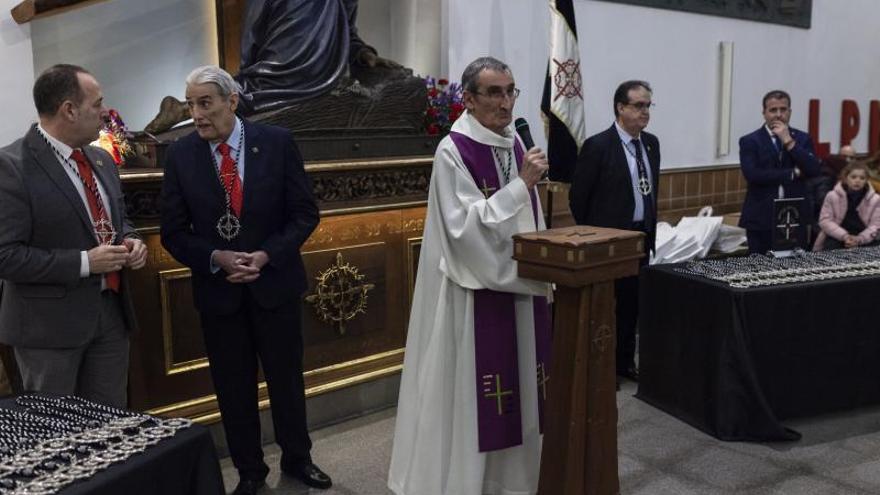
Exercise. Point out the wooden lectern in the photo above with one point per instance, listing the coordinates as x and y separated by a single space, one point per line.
580 421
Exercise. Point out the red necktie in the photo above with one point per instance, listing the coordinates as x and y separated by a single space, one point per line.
231 180
96 207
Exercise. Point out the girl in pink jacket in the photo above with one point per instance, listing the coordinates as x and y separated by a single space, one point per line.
850 215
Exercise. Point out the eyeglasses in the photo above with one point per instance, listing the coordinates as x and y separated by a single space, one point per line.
498 94
641 105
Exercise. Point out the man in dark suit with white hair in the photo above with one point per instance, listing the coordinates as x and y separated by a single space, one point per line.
236 208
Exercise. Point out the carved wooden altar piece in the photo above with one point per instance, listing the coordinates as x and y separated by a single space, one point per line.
368 240
579 454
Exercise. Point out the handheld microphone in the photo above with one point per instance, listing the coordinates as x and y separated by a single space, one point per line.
522 128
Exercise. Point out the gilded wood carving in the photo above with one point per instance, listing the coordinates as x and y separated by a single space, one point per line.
340 294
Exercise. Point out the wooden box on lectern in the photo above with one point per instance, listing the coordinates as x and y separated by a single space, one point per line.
579 454
578 255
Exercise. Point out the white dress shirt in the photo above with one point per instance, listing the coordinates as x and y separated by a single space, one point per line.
62 153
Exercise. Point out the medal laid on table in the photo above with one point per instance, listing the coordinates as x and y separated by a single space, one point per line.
51 442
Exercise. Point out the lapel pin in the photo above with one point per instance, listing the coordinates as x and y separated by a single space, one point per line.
255 149
99 163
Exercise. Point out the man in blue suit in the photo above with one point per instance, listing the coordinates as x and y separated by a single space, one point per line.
236 208
775 159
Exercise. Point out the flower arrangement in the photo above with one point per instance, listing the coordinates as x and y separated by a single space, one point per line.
444 106
113 138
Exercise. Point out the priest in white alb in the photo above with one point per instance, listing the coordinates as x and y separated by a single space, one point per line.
470 411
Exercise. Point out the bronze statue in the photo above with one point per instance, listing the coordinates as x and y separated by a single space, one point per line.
293 51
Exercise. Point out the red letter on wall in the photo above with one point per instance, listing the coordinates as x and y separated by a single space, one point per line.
849 122
874 128
822 149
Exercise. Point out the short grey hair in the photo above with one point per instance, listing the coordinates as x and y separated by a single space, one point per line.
471 74
215 75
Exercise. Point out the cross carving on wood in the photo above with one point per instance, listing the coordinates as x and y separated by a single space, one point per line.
602 338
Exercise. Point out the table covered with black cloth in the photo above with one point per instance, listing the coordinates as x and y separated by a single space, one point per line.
734 362
185 464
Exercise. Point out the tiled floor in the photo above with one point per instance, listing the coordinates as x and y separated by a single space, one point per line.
658 455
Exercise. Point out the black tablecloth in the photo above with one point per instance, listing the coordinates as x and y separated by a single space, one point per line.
185 464
734 362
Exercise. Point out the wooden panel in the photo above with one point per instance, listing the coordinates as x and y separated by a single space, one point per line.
413 251
160 372
229 17
369 332
680 192
169 374
181 331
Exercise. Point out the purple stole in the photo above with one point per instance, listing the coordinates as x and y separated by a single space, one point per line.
499 419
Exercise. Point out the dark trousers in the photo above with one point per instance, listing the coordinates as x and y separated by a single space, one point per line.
759 241
831 243
626 293
233 343
626 311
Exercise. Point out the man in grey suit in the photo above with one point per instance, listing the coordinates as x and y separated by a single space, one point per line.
64 241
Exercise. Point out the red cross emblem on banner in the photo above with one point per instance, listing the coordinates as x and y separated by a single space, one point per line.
567 79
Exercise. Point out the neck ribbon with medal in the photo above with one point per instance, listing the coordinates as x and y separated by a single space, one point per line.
644 183
101 226
229 225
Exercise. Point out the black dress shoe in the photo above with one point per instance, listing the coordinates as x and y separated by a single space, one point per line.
631 372
310 474
248 487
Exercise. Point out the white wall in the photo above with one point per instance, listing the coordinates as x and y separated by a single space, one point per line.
677 53
514 31
140 51
406 31
17 76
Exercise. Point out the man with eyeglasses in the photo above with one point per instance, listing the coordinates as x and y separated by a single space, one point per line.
471 395
614 185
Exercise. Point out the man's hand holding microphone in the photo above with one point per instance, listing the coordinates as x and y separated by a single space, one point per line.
535 164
